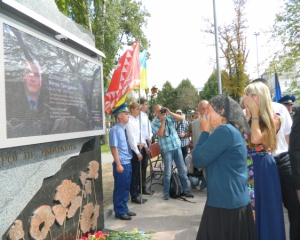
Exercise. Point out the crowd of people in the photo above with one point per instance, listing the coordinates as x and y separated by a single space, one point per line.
246 155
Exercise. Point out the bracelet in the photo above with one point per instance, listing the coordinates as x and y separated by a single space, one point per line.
255 118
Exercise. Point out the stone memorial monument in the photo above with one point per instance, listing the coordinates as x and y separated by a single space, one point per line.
50 124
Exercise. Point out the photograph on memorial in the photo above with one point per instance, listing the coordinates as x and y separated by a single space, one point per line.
49 90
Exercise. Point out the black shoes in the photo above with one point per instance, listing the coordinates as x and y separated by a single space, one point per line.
125 217
146 192
138 200
187 194
129 213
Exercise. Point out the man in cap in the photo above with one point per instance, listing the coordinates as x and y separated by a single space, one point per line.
122 170
288 101
181 128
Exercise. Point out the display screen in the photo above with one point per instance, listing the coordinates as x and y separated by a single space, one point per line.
49 90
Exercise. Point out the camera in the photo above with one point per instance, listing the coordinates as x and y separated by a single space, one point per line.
163 110
61 37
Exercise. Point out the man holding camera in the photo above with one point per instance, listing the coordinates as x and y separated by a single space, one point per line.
170 146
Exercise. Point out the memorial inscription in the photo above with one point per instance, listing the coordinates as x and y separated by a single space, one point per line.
6 159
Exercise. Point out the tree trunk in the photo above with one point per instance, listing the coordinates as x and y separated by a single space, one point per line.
88 15
103 21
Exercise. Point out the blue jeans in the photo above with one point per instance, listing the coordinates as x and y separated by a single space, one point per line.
195 181
121 189
168 157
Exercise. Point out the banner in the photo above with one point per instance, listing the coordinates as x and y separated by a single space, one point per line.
125 77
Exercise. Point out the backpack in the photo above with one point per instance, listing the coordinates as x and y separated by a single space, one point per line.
176 189
175 186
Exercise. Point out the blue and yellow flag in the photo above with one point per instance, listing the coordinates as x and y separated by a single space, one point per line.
143 76
143 70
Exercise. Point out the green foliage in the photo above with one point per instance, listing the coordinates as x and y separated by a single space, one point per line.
167 96
287 29
187 96
294 89
122 235
210 87
114 23
233 46
184 97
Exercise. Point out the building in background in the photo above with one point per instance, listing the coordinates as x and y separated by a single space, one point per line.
287 81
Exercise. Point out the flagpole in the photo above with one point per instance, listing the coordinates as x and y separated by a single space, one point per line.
217 50
140 123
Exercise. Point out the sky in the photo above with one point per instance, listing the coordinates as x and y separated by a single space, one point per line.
180 50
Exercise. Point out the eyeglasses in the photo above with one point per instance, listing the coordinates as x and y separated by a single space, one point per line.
28 72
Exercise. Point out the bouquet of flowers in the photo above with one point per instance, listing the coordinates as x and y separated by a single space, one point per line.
120 235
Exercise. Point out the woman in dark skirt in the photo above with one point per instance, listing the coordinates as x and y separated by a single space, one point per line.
227 214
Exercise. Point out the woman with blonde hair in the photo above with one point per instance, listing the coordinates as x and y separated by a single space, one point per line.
263 179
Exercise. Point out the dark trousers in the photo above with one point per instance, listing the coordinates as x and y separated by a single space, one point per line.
289 194
135 177
144 168
121 189
185 151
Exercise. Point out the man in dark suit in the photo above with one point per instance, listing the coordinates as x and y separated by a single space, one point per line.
24 96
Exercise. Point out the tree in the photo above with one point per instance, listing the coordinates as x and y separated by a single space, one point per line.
211 86
294 89
167 96
114 23
184 97
233 46
286 28
187 96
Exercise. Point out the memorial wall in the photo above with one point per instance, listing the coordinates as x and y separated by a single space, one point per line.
51 119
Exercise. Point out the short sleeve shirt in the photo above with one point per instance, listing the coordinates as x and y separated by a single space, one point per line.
170 141
182 127
118 139
285 128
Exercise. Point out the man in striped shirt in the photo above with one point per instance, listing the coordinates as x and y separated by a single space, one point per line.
181 128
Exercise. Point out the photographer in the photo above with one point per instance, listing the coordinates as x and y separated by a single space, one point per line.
170 145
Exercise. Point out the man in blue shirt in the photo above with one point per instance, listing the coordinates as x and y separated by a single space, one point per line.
170 146
122 171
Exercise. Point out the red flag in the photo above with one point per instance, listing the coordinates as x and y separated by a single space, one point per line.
125 77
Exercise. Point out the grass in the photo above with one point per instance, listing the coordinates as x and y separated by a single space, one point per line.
105 147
